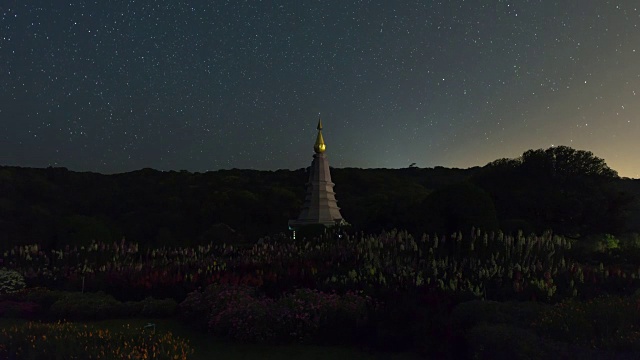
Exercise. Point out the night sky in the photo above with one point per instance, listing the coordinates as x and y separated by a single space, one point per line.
115 86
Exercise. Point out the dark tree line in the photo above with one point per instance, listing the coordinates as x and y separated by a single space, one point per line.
570 191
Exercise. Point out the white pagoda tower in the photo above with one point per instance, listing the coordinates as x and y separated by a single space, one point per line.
320 205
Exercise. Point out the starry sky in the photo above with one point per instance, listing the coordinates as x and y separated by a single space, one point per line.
113 86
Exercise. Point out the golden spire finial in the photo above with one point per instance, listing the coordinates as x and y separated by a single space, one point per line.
319 146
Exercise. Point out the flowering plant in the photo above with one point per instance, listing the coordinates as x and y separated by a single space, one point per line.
11 281
69 341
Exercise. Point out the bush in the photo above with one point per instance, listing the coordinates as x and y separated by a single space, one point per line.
82 306
198 306
351 320
606 322
86 306
194 310
399 324
303 312
245 318
630 241
70 341
304 315
14 309
308 315
502 341
472 313
11 281
43 297
151 307
131 308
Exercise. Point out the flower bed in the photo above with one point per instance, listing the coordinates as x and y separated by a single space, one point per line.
240 313
491 266
70 341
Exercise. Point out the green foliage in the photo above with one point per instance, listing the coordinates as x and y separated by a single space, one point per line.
70 341
609 242
630 241
607 249
630 248
11 281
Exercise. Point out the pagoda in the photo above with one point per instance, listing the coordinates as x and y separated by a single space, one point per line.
320 206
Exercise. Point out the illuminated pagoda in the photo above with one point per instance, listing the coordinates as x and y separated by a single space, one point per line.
320 206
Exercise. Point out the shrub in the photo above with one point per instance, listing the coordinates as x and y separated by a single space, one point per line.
608 242
14 309
238 312
245 318
42 296
471 313
606 322
11 281
630 241
303 312
151 307
400 324
502 341
131 308
86 306
199 306
70 341
351 319
194 310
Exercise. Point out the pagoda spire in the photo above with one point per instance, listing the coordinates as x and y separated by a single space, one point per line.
319 147
320 205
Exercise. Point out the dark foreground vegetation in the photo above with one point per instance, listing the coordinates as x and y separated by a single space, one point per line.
475 296
79 248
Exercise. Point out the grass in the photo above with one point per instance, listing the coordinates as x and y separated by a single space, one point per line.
208 347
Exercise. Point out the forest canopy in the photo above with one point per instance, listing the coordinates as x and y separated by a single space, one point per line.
569 191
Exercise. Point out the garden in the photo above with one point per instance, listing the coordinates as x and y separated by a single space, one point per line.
475 295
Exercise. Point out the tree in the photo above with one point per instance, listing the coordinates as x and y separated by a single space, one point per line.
569 191
457 207
563 161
